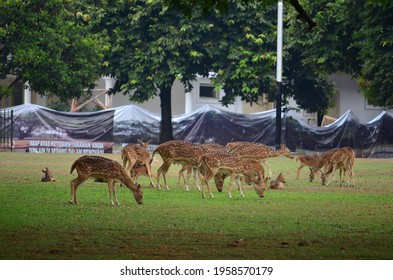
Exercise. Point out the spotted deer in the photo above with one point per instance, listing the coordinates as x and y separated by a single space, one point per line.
324 160
178 152
139 170
261 152
47 176
102 168
278 184
343 160
207 147
238 170
137 154
312 161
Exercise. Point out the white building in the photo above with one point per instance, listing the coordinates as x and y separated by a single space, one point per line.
203 93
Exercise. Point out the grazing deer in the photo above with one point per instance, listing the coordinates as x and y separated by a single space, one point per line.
47 176
323 161
178 152
344 160
139 170
134 154
250 150
103 168
207 147
238 170
278 184
312 161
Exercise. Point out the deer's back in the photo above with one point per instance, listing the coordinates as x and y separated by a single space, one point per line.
97 166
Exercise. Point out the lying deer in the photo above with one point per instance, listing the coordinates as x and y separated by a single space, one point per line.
102 168
47 176
238 170
278 183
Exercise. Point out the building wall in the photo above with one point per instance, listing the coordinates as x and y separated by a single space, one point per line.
348 98
351 99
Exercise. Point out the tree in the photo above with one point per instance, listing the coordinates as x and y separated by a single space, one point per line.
152 45
245 61
355 41
49 44
207 6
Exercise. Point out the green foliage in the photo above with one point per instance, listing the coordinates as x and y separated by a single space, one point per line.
244 54
352 40
50 45
375 41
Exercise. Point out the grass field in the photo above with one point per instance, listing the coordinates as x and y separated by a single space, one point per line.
304 221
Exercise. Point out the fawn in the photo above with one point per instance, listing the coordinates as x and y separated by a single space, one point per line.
47 176
278 183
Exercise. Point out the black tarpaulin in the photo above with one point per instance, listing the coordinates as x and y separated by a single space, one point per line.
79 132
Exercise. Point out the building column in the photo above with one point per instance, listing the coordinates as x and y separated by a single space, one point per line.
188 107
109 83
26 94
238 105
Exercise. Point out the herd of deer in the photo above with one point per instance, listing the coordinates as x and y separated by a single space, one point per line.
240 161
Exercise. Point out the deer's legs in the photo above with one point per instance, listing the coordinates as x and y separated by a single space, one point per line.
74 186
231 185
131 164
240 185
111 186
268 168
195 171
206 179
163 169
298 171
148 169
181 175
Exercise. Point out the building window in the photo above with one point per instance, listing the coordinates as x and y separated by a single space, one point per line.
207 91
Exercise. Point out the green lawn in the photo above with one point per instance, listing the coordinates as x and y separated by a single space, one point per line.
304 221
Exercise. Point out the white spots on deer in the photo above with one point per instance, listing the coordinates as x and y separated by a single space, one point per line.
102 168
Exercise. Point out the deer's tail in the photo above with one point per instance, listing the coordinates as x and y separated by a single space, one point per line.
73 167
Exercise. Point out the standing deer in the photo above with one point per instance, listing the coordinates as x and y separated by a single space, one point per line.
323 161
102 168
139 170
47 176
308 160
213 163
178 152
137 154
207 147
344 160
250 150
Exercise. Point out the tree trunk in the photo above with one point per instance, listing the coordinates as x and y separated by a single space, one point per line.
166 129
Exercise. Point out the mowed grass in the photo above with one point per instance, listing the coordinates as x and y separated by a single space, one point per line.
304 221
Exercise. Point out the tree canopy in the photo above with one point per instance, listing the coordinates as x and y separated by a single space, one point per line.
62 46
357 41
49 44
152 45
